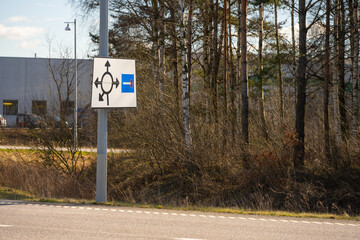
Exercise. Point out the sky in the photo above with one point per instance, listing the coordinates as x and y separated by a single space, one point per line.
27 25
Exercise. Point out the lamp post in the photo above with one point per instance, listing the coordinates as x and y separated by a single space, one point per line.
76 83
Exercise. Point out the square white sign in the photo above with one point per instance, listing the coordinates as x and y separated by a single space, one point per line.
114 83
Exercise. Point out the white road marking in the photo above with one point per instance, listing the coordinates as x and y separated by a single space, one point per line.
176 214
340 224
187 239
5 226
350 224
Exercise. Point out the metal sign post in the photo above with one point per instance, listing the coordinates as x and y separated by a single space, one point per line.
113 86
101 164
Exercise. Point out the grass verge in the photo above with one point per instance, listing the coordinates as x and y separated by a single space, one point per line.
15 194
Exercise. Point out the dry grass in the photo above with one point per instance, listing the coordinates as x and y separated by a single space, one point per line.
159 171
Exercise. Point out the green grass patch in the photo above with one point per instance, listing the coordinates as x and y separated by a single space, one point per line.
15 194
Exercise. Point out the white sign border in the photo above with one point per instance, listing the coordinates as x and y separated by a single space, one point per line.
120 80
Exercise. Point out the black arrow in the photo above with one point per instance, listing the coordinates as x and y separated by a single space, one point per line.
116 83
107 65
97 82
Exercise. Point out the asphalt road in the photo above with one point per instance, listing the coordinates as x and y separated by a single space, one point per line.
27 220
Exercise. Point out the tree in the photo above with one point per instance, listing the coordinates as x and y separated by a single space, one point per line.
244 78
185 78
355 66
327 82
260 69
341 71
299 148
279 71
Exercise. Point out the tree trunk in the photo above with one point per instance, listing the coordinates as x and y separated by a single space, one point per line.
279 76
174 51
293 45
162 68
355 80
185 77
215 64
238 62
299 148
335 74
260 71
224 85
189 42
341 72
206 15
156 42
326 83
232 79
244 75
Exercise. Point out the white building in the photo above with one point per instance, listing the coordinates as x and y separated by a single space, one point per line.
37 85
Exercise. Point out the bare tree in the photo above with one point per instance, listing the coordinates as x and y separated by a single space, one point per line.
244 74
260 70
355 63
299 148
327 82
185 77
279 72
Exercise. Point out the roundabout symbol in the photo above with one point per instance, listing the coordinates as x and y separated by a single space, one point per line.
106 91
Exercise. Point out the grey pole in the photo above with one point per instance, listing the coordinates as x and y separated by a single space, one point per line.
101 165
76 84
76 93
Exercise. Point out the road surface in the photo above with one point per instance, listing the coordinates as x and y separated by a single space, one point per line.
29 220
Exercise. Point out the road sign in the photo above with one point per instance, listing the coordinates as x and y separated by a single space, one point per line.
127 83
114 83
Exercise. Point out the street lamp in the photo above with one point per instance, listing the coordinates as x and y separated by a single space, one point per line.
76 83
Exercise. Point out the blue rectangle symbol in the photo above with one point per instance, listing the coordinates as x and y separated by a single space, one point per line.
127 83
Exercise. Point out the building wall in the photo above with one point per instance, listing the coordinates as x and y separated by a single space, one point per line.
28 79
